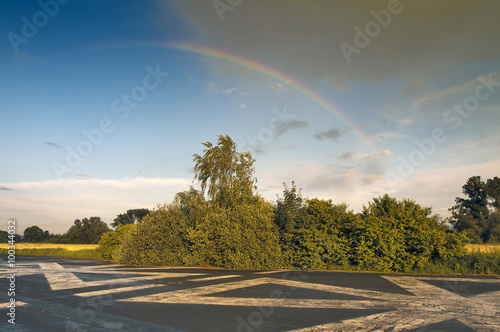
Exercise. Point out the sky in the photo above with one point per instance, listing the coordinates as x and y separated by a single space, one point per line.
104 103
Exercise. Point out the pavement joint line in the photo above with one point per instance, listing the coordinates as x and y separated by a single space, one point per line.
214 278
267 272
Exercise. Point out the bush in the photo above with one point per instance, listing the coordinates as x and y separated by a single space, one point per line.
389 235
160 239
242 237
111 241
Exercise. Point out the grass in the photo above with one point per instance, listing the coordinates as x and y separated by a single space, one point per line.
480 258
85 251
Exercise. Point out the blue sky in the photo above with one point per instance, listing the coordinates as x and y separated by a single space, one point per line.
420 81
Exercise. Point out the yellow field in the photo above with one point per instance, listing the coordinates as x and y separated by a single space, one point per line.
483 247
69 247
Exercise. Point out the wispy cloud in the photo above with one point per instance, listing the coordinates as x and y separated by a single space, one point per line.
54 145
6 189
280 87
228 91
351 156
243 106
332 134
468 87
84 175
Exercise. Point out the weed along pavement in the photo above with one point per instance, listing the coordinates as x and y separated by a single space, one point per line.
60 294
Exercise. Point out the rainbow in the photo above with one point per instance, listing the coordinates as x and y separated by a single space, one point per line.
265 70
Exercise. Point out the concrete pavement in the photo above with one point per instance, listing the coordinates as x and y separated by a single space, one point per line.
59 294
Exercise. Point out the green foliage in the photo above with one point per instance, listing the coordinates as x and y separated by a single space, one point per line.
472 214
160 239
317 240
4 237
288 207
237 229
225 174
111 241
35 234
402 235
86 231
243 237
470 263
130 217
389 235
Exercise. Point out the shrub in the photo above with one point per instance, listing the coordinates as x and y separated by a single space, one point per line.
160 239
242 237
111 241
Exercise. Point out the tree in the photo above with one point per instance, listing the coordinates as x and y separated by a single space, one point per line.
192 204
477 202
287 208
130 217
35 234
472 214
4 237
86 231
225 174
493 190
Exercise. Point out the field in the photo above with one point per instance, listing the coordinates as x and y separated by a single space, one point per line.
480 259
86 251
483 247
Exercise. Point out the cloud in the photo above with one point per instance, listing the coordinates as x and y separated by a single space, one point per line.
84 175
279 87
467 88
6 189
372 178
286 126
438 187
54 145
228 91
332 134
55 204
388 135
351 156
243 106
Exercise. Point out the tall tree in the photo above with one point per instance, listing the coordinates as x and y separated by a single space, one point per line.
476 202
472 214
225 174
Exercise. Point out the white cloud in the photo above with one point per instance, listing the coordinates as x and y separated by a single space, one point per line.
279 87
350 156
54 204
243 106
228 91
